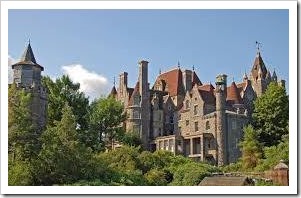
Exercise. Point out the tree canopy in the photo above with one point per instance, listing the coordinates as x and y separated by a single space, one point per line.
271 115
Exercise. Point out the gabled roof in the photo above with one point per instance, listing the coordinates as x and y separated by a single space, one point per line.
207 87
173 80
233 95
258 63
135 92
195 79
207 93
27 58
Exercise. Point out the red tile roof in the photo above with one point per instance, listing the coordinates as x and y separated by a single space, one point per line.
173 80
233 96
135 92
207 87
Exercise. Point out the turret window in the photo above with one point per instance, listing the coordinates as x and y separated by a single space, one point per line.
171 119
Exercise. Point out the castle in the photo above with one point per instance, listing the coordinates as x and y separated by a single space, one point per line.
178 113
182 115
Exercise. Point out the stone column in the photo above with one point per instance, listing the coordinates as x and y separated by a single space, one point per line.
191 146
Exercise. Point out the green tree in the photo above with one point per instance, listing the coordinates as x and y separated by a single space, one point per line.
63 90
23 135
270 116
106 118
63 159
273 155
251 149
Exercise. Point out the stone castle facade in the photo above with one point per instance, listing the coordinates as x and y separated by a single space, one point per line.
178 113
182 115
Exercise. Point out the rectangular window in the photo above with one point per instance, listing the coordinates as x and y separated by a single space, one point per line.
196 126
187 122
195 110
233 124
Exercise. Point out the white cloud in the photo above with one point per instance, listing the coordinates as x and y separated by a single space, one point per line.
91 83
10 70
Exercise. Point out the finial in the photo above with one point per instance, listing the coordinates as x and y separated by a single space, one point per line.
29 41
258 45
159 71
179 64
233 79
114 81
192 67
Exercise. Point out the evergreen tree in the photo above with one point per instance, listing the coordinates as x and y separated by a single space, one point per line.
251 149
271 115
63 159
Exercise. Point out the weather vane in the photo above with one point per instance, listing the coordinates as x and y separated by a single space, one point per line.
258 45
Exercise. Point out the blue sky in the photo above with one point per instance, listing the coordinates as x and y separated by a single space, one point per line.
93 46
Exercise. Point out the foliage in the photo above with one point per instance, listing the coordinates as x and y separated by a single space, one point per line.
192 173
63 90
22 134
270 116
156 177
273 155
129 138
251 149
233 167
63 159
105 118
19 173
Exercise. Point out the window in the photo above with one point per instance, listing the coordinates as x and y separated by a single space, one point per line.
195 110
187 122
196 126
160 133
171 119
136 100
207 125
233 124
135 114
187 104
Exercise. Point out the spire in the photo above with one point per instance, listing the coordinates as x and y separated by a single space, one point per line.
245 77
274 76
258 64
28 55
268 77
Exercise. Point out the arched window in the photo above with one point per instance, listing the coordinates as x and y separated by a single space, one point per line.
207 125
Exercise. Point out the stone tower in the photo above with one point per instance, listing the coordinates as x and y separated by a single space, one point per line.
27 75
122 89
221 95
144 103
259 75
